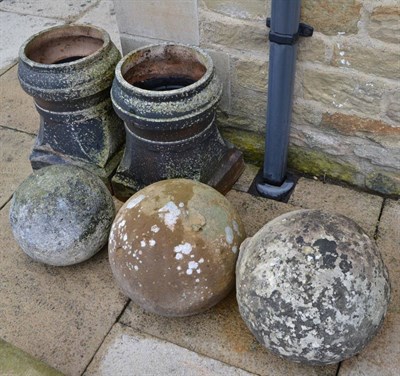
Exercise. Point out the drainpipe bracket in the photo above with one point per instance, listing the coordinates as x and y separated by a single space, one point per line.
303 31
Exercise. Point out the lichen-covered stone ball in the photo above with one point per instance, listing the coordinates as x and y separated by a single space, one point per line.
61 215
312 287
173 247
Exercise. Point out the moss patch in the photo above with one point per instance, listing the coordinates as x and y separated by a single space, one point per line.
317 163
250 143
385 183
14 361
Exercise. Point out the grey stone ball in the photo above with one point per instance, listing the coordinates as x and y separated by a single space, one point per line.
61 215
312 287
173 247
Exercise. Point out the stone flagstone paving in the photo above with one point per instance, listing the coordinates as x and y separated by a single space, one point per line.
76 320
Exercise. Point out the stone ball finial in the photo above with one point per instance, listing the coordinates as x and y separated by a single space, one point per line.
61 215
312 287
173 247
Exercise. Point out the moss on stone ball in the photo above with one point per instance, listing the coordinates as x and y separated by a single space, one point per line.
61 215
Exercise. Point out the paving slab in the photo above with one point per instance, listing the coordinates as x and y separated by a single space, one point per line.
125 352
16 28
362 207
220 332
15 148
103 15
381 357
64 9
17 108
244 182
15 362
257 211
58 315
388 241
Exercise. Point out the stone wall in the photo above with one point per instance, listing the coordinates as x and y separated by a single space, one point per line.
346 115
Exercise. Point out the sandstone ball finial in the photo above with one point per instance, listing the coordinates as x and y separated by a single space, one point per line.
61 215
173 247
312 287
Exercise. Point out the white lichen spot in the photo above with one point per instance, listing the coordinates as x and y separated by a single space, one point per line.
135 201
136 267
184 248
155 228
179 256
140 252
198 270
143 243
170 213
235 226
181 205
229 234
234 249
125 237
152 242
189 271
178 268
197 280
193 265
201 261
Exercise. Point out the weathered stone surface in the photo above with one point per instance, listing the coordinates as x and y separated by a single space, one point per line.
64 9
246 179
303 113
250 105
312 287
393 107
132 42
173 247
332 17
384 182
384 24
257 211
312 194
381 357
17 107
125 352
103 15
312 49
14 362
15 148
222 66
232 33
61 215
58 315
388 240
251 73
172 20
350 125
382 61
244 9
15 28
341 90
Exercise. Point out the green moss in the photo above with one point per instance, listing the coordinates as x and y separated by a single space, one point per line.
250 143
14 361
317 163
385 183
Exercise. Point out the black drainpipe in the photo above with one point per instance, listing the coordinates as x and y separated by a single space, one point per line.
285 30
